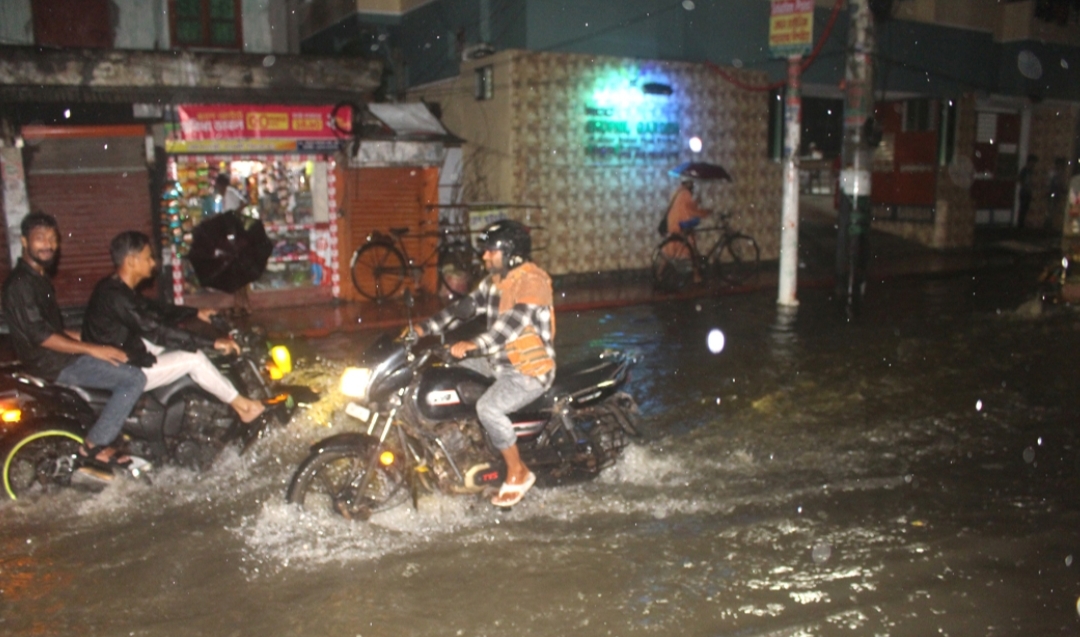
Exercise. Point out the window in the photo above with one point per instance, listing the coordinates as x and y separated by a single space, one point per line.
206 24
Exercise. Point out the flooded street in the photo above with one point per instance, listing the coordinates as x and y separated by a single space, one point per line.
911 472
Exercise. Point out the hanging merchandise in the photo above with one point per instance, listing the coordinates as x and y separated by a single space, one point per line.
277 190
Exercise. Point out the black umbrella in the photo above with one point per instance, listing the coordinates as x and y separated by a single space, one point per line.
699 170
228 251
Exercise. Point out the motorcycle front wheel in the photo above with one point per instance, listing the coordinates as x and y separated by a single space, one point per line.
39 463
330 481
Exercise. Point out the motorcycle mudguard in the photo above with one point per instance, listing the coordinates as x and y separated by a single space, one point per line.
357 441
31 429
301 394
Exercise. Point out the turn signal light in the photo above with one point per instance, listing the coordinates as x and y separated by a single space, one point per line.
9 415
386 458
282 358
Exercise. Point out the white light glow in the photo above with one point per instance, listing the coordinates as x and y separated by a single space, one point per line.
695 144
716 341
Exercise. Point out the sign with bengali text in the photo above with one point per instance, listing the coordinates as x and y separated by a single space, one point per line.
204 122
791 27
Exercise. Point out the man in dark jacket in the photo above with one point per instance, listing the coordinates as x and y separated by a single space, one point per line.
55 354
144 329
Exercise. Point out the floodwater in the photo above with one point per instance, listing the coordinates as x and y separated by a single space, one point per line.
911 472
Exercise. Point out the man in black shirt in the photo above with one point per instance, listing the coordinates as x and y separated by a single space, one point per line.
145 330
55 354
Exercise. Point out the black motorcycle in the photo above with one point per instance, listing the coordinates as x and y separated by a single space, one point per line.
421 433
42 424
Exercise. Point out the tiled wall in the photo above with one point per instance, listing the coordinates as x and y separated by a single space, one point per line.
600 214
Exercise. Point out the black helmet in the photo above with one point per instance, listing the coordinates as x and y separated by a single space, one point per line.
509 237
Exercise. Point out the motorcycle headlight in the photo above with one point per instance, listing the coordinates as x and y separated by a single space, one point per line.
354 382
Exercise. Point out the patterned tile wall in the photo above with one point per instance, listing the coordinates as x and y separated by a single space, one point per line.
601 214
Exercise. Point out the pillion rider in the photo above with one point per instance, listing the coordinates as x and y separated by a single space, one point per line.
517 348
145 330
56 354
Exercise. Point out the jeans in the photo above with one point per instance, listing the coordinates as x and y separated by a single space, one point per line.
511 391
125 382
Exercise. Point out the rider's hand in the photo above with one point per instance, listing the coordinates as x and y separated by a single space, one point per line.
206 313
461 348
109 354
226 345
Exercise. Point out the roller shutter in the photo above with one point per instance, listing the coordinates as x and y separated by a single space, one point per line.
96 183
384 198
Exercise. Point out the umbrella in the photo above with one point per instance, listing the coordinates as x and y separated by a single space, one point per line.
228 252
699 170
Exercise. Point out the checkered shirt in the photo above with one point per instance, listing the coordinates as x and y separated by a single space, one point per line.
502 328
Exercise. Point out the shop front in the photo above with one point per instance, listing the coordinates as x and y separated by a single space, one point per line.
281 163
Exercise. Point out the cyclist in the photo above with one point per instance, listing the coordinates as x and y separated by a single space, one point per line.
683 216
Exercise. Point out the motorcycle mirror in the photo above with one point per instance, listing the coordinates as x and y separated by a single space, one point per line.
464 309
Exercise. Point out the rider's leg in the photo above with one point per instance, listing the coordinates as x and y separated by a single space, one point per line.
510 392
172 365
126 383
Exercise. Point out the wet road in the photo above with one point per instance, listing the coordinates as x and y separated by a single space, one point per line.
912 472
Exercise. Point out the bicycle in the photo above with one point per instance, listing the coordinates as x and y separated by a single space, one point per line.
382 264
734 258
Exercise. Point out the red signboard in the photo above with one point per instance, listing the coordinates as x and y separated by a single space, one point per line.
256 121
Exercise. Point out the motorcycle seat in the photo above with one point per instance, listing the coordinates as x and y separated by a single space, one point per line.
96 398
581 376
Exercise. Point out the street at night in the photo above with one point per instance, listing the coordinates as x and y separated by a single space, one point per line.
909 472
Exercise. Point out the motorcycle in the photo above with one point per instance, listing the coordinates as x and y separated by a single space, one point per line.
422 433
42 424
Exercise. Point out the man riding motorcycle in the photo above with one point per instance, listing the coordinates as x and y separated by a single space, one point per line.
55 354
119 316
517 348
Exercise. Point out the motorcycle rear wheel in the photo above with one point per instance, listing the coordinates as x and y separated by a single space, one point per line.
326 482
40 463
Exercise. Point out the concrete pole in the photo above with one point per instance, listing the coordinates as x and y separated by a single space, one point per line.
789 228
854 215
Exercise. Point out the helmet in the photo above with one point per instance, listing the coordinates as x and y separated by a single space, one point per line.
509 237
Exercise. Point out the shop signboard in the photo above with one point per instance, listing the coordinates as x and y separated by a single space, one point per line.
256 128
791 27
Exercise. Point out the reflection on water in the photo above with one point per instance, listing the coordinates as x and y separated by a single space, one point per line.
813 477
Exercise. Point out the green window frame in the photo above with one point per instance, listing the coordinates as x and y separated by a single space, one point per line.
206 24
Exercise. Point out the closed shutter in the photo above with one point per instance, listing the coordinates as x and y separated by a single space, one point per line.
377 199
97 186
5 260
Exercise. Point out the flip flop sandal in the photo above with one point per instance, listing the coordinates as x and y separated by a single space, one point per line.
88 456
515 491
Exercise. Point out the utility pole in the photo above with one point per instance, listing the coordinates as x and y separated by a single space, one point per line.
852 243
789 221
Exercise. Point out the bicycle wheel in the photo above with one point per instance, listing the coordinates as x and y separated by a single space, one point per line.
738 260
378 270
459 269
672 264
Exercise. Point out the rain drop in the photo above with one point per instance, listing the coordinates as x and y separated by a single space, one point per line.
716 341
689 6
1068 560
978 405
1064 64
1029 455
268 61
